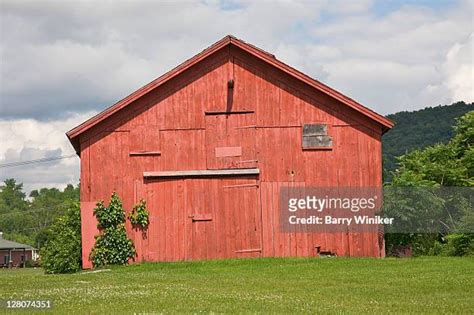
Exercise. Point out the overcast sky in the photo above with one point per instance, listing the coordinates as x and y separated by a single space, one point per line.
63 61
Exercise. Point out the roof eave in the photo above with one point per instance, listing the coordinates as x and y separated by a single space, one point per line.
72 134
385 122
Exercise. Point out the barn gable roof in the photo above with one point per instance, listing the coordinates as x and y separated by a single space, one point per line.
255 51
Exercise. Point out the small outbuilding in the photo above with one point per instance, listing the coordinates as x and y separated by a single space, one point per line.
13 254
210 144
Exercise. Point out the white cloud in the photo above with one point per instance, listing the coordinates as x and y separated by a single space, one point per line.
59 62
459 70
56 59
30 139
400 61
348 7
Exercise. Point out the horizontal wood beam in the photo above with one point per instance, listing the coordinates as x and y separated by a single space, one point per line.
203 173
235 112
241 186
201 217
142 153
317 148
253 250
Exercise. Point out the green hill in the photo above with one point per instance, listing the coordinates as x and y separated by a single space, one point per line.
418 129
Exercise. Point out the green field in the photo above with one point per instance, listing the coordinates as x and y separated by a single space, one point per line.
334 285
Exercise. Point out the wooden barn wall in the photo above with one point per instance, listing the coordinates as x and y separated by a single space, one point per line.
172 120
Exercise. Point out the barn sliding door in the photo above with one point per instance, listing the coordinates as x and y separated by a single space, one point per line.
230 141
203 218
224 218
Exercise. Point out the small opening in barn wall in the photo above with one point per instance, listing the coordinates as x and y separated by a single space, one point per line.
230 95
315 137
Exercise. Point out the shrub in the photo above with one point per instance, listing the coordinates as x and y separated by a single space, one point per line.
139 217
110 216
459 245
112 246
437 249
62 252
420 244
33 263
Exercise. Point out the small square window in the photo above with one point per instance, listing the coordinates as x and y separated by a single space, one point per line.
315 137
315 130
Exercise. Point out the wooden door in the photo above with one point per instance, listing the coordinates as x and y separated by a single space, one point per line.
231 141
224 218
239 217
166 238
201 236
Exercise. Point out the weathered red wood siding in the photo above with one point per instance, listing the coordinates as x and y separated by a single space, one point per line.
204 218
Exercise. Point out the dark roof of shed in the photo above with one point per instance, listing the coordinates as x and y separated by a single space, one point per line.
6 244
255 51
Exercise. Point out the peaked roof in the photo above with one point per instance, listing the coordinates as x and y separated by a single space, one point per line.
6 244
255 51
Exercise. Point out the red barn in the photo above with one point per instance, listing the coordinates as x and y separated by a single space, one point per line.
209 144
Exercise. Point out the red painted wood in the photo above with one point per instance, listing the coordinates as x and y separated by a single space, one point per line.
233 45
224 131
229 112
228 151
201 217
144 153
88 230
185 117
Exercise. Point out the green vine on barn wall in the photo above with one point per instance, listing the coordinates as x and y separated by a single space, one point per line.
139 217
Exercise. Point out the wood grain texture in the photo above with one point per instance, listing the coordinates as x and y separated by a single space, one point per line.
194 148
203 173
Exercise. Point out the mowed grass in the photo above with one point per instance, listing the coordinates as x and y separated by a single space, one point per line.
277 285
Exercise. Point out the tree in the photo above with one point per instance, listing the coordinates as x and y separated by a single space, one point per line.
449 164
27 221
419 129
48 204
14 219
442 165
12 197
62 251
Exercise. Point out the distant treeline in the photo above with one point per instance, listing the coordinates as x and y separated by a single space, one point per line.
419 129
27 220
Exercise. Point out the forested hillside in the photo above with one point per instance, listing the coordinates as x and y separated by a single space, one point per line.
418 129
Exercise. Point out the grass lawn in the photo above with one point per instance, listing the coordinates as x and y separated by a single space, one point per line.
342 285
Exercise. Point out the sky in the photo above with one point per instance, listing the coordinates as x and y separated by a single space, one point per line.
61 62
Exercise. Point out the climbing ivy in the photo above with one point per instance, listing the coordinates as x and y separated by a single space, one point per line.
112 246
139 217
